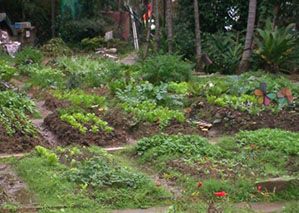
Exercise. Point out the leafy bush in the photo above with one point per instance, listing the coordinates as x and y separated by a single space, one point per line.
86 72
163 94
6 71
29 55
225 50
278 48
56 47
185 146
280 140
101 172
165 68
150 112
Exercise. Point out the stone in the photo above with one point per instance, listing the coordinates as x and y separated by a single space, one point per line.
277 184
217 121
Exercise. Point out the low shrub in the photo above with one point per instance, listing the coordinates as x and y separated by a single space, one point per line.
176 146
165 68
56 47
225 51
46 77
29 55
277 49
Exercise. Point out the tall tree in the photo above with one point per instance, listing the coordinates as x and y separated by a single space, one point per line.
197 36
244 64
157 31
53 18
169 25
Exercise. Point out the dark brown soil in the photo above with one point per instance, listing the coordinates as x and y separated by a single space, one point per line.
119 119
18 143
229 121
52 103
67 135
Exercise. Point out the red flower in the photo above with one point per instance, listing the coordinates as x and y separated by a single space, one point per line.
220 194
259 188
199 184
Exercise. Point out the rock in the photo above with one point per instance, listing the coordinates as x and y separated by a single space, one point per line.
277 184
217 121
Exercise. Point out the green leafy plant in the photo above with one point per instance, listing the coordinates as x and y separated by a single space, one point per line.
6 71
165 68
80 98
277 48
56 47
86 122
280 140
29 56
51 157
46 77
173 146
101 172
13 113
150 112
225 50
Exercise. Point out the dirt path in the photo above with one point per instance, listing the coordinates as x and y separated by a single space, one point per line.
12 189
49 137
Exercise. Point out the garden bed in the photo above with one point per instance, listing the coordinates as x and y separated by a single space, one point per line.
18 143
227 121
67 135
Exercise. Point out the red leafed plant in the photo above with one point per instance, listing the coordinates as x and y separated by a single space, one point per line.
220 194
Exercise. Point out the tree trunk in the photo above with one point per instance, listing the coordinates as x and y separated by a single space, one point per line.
148 34
276 12
244 64
197 37
169 25
157 32
53 18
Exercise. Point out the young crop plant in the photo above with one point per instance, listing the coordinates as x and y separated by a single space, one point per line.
80 98
6 71
86 122
13 113
150 112
46 77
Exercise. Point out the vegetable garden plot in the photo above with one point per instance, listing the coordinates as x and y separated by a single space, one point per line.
235 166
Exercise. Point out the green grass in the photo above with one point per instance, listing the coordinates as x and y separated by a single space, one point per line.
51 188
89 180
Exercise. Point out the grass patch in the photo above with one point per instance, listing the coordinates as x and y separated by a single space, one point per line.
85 180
